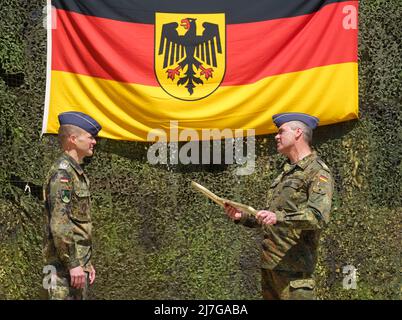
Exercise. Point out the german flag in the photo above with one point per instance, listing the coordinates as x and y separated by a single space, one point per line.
137 65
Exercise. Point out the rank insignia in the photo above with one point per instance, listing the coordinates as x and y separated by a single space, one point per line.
63 165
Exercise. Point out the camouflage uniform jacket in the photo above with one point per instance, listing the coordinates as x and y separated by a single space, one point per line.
301 199
68 227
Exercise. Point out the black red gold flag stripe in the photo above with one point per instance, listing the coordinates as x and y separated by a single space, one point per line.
137 65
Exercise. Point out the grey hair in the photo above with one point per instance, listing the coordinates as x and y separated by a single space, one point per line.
65 131
307 131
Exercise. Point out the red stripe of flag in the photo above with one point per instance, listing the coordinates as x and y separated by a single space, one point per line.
124 51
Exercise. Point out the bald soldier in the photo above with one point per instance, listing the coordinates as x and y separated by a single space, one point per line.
68 239
298 207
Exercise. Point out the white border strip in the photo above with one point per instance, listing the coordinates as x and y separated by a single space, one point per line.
49 20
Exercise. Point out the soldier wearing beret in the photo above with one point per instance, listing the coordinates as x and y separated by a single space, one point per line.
298 207
68 228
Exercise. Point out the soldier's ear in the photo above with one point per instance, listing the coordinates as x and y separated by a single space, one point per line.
72 138
299 133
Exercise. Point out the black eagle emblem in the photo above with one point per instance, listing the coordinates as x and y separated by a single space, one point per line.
189 50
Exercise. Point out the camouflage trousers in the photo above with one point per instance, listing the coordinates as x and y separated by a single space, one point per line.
286 285
63 291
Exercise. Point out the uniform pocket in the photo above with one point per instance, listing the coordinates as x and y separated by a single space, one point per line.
81 205
294 184
293 193
319 189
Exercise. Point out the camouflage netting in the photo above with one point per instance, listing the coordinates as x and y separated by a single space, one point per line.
154 237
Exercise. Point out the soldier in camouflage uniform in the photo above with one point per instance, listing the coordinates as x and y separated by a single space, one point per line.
68 227
298 207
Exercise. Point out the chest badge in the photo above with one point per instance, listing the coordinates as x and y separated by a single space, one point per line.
66 195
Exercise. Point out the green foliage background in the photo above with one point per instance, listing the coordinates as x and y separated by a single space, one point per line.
154 237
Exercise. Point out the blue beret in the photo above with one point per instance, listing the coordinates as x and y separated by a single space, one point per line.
80 120
281 118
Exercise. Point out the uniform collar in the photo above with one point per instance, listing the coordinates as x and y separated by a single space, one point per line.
303 163
73 163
